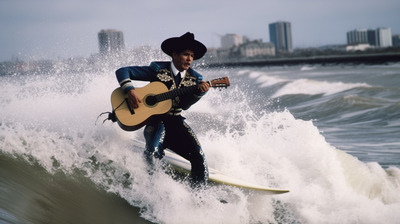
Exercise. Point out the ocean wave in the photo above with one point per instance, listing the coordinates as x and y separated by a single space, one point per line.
314 87
56 130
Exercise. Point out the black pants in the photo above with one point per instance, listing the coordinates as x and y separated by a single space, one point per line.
181 139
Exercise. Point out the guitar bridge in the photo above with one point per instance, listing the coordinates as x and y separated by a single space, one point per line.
129 106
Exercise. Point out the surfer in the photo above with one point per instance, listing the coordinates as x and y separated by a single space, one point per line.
172 131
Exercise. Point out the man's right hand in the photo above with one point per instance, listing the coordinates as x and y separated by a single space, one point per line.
133 98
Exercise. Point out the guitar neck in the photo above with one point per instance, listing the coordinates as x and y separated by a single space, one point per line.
175 93
217 83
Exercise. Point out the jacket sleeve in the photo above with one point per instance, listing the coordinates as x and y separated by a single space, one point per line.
139 73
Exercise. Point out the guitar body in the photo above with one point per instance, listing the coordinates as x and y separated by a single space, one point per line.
129 121
156 100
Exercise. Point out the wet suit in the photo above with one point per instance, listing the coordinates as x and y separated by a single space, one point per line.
171 131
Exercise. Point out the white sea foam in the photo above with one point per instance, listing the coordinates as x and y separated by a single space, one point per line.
313 87
307 68
293 85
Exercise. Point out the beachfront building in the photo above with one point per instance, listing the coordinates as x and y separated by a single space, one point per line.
111 41
237 47
380 38
396 40
384 37
257 48
231 40
372 37
358 36
280 34
360 39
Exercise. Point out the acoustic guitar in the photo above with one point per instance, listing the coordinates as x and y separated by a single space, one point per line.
156 100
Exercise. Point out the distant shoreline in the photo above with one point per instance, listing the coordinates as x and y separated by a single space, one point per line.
375 58
97 63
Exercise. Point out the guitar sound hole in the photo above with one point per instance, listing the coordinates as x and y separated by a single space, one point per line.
151 100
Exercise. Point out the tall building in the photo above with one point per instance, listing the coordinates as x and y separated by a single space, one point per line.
384 37
231 40
280 33
111 41
358 36
396 40
372 37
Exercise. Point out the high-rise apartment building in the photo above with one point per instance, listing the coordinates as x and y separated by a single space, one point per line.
372 37
396 40
384 37
358 36
111 41
280 33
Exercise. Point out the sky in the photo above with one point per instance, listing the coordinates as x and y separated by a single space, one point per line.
59 29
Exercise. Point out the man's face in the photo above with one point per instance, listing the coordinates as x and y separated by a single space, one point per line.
183 60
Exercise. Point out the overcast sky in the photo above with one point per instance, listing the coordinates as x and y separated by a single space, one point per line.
42 29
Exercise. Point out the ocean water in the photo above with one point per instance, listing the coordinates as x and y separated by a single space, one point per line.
328 133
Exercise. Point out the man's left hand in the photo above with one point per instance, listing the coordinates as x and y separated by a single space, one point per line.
203 86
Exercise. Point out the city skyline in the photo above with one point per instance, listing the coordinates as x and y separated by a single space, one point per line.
55 29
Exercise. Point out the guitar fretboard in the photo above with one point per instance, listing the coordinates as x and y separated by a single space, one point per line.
175 93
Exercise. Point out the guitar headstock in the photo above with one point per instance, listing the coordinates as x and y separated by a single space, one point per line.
219 82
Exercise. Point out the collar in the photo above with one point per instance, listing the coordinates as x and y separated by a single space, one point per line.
175 71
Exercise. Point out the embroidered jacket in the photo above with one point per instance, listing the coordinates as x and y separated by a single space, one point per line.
161 71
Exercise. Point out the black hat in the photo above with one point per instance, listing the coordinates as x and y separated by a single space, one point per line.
184 42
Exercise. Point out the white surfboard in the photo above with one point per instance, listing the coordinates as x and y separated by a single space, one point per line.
182 165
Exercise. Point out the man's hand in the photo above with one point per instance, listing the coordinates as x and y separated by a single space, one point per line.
133 98
203 86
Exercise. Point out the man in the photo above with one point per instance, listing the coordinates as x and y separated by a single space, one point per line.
172 131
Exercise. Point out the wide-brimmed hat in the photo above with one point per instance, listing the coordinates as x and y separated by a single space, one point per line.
184 42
